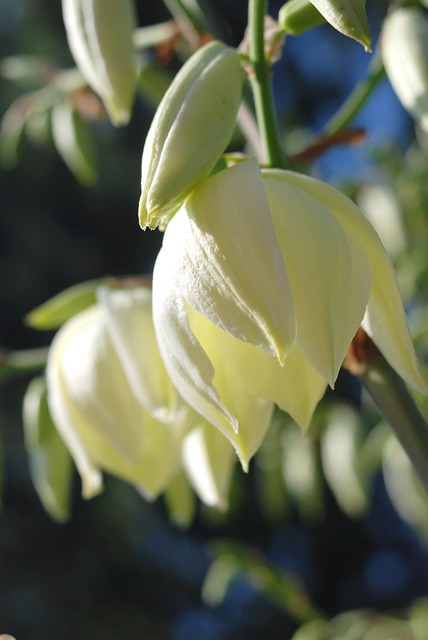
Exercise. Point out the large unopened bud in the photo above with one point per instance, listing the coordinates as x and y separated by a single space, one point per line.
404 46
99 34
191 129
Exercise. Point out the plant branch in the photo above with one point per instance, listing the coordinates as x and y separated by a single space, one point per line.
261 85
352 105
392 398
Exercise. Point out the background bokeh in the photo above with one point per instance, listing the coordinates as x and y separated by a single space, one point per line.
119 567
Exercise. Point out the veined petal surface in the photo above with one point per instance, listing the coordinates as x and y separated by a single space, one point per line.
385 320
328 271
128 315
242 417
101 420
230 265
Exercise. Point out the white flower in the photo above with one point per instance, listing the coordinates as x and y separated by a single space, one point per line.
260 286
110 397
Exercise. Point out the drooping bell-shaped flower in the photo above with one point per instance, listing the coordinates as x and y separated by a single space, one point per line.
110 397
191 129
259 289
99 34
404 48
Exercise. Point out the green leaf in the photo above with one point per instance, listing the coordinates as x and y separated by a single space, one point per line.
72 138
235 561
50 463
53 313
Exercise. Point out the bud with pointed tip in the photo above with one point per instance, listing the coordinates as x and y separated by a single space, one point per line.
404 47
347 16
191 129
99 34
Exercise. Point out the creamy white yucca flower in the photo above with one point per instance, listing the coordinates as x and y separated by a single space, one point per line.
404 48
260 286
116 408
99 34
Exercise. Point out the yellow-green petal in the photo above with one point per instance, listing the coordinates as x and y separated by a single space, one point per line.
128 316
231 267
328 271
385 320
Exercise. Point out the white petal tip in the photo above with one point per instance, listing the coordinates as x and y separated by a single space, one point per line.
92 484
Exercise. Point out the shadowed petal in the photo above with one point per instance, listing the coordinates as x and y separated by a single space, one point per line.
231 265
328 271
385 320
128 315
209 460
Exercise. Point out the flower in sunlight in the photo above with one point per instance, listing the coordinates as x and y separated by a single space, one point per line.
116 408
261 284
191 129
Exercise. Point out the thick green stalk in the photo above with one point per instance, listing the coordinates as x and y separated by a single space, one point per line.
261 85
391 396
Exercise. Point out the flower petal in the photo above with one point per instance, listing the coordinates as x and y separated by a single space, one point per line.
209 460
231 267
232 380
128 316
100 419
328 271
209 384
186 362
385 320
243 372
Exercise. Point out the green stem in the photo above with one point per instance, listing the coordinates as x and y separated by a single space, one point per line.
391 396
350 108
261 86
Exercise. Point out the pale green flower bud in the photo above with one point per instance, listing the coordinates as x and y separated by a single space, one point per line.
404 47
191 129
348 17
100 34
